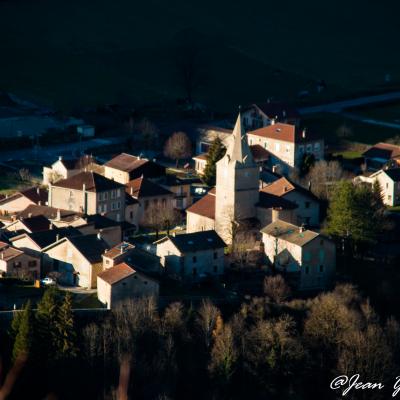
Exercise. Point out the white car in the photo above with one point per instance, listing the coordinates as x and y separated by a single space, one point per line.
48 281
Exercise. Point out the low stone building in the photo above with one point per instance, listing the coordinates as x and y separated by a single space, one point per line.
306 258
192 256
126 167
122 283
17 263
22 199
380 154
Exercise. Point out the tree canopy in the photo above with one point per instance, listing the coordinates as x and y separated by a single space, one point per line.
215 153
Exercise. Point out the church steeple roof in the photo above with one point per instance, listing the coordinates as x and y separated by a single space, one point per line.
238 149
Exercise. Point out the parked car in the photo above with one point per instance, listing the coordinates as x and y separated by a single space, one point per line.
48 281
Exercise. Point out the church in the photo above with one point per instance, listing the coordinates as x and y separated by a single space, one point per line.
237 198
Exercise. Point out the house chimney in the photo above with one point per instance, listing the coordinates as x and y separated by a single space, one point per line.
39 203
303 134
60 158
84 197
38 190
57 237
131 191
51 225
301 228
274 168
58 217
99 235
309 186
273 121
30 215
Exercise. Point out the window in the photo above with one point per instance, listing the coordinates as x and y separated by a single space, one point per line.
321 268
164 202
387 185
265 145
107 262
287 148
113 206
316 147
118 205
251 142
301 149
113 193
307 270
307 204
389 197
118 192
309 148
17 264
215 255
194 272
32 263
131 215
215 269
194 259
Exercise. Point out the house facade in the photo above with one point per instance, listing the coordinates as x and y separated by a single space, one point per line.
89 193
307 258
192 256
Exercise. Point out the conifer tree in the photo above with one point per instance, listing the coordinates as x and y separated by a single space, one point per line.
66 337
25 337
215 153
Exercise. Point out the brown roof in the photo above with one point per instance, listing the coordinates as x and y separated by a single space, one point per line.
267 200
121 248
49 212
284 132
126 162
205 206
116 273
289 232
383 150
37 223
94 182
259 153
283 186
35 194
142 187
8 253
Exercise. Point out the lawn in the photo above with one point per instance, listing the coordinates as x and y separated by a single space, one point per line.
88 52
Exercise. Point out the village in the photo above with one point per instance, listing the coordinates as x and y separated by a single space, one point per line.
262 199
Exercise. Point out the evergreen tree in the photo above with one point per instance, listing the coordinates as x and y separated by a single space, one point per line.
66 338
215 153
47 316
25 328
354 212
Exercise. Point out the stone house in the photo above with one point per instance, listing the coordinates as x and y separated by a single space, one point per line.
287 145
78 259
192 256
181 189
17 263
378 155
207 134
200 216
20 200
89 193
307 210
65 168
259 115
389 181
37 223
152 198
306 258
125 167
122 282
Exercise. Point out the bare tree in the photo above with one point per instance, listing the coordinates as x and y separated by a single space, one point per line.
243 252
276 288
323 176
178 147
206 321
159 216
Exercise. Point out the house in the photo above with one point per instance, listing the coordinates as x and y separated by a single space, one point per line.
125 167
192 256
18 263
377 156
208 133
307 210
152 198
78 259
37 223
89 193
200 216
389 181
22 199
65 168
306 258
287 145
259 115
123 282
260 156
181 189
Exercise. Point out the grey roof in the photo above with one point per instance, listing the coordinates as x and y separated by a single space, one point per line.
90 246
197 241
393 174
289 232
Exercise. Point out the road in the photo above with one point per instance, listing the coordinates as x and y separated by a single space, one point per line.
337 107
49 154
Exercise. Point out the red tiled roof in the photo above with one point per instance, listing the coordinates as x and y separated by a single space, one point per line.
142 187
283 186
284 132
93 182
126 162
116 273
205 206
383 150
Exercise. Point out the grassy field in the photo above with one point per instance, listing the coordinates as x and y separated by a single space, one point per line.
334 127
87 52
